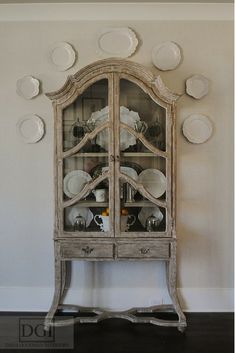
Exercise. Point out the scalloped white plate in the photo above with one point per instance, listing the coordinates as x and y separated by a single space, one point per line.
120 42
61 56
30 128
27 87
166 56
197 86
197 128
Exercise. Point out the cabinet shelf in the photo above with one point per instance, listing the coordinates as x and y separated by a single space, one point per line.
142 203
93 203
105 154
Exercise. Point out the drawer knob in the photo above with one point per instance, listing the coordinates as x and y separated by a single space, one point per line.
87 250
144 251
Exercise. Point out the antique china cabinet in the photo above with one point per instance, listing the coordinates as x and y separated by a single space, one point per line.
115 179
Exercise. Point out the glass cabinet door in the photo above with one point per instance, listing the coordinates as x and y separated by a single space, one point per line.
87 173
142 182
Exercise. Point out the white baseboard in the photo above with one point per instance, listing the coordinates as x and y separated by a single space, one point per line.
192 299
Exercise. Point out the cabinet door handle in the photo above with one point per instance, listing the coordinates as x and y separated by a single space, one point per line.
118 158
112 158
144 251
87 250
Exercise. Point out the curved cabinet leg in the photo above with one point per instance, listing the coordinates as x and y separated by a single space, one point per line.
66 278
171 284
63 280
60 279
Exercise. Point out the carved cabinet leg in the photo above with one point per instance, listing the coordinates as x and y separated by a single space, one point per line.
66 278
60 280
172 287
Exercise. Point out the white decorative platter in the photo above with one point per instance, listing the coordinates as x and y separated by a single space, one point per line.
154 181
127 116
76 211
75 181
30 128
166 56
147 212
61 56
197 86
197 128
120 42
27 87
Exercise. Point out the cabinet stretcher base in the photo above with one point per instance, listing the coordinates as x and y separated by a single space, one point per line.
62 275
130 315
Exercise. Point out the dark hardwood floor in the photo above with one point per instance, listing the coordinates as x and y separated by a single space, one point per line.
206 333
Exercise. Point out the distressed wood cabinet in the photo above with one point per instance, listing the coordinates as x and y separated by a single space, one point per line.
115 178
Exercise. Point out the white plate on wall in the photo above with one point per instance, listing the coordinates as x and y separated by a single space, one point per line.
166 56
27 87
197 86
120 42
147 212
30 128
75 181
154 181
197 128
61 56
76 211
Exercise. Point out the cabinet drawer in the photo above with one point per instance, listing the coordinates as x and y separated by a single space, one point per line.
86 250
143 250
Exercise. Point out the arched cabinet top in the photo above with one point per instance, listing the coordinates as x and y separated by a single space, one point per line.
101 69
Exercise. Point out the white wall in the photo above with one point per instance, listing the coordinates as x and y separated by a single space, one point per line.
205 200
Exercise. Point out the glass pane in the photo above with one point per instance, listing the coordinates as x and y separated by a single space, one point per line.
89 164
141 215
91 212
88 111
149 171
139 163
142 114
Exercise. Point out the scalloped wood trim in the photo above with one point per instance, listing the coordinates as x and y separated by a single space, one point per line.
161 89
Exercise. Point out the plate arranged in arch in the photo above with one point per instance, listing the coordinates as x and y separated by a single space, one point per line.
197 128
197 86
27 87
61 56
166 56
120 42
30 128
